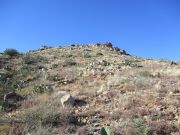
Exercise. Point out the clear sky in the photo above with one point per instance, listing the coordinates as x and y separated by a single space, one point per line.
146 28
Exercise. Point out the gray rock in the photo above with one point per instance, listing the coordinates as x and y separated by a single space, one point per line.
67 100
11 101
12 97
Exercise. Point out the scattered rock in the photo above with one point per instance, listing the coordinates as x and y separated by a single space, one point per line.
67 100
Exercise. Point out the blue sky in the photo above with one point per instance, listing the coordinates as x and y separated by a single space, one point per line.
146 28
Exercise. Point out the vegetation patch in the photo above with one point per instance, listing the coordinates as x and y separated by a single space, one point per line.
11 52
69 63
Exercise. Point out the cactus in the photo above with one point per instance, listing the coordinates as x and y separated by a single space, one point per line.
106 131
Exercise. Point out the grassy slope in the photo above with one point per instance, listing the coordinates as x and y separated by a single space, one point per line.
131 95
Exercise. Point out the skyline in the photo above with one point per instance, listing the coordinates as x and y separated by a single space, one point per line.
149 29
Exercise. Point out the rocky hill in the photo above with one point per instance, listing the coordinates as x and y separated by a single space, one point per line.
79 89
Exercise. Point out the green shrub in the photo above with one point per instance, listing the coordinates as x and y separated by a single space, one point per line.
16 84
98 44
141 127
11 52
41 131
130 63
3 78
87 56
69 63
52 78
108 44
99 54
54 66
106 131
48 114
41 89
27 59
145 74
105 63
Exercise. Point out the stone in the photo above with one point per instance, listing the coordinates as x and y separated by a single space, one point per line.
12 97
67 99
10 101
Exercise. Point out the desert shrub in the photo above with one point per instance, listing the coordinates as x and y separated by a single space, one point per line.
106 131
11 52
163 127
27 70
42 131
48 114
54 66
16 84
42 88
144 74
52 78
99 54
69 63
98 44
69 55
105 63
3 78
6 82
27 59
141 127
108 44
130 63
87 56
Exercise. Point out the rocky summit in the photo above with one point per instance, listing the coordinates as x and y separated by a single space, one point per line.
93 89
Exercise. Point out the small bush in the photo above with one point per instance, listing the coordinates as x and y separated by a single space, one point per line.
41 89
98 44
130 63
141 127
108 44
73 45
106 131
52 78
42 131
145 74
105 63
87 56
48 114
69 63
3 78
99 54
54 66
27 59
11 52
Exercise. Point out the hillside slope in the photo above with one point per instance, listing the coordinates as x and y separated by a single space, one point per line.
129 95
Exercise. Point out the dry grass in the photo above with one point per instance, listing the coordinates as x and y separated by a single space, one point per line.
132 95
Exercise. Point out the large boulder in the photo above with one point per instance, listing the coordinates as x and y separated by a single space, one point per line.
65 98
11 101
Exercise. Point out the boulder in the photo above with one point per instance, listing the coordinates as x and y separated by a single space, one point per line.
10 101
12 97
67 100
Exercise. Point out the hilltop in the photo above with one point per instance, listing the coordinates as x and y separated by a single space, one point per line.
104 85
